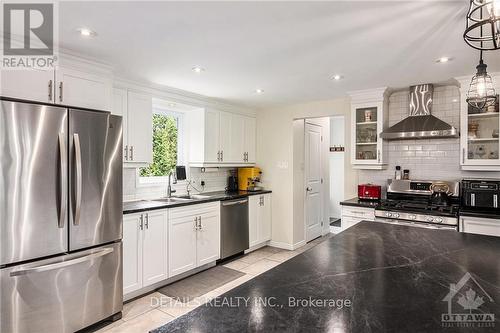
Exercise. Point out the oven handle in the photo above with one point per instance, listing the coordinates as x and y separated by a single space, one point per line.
417 224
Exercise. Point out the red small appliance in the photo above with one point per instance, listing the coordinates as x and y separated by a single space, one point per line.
369 192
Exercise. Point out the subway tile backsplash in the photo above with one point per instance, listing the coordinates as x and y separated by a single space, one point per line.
214 181
427 159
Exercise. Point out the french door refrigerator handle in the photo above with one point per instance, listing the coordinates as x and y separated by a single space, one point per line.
63 180
78 187
62 264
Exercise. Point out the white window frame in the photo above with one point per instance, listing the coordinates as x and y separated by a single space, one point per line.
181 149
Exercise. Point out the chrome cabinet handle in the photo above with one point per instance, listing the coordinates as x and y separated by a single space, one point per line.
126 153
378 156
60 91
222 155
147 221
62 264
78 187
196 223
131 153
463 155
218 155
141 222
63 180
199 221
50 90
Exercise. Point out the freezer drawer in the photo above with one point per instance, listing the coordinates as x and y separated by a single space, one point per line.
62 294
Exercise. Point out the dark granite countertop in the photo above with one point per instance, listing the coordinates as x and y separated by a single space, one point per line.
397 279
145 205
484 213
355 202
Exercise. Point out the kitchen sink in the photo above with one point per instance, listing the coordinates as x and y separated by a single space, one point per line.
172 200
193 197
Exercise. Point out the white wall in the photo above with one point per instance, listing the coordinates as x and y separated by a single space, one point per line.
428 159
336 166
275 155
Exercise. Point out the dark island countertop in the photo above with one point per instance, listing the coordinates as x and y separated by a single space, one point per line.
396 279
145 205
355 202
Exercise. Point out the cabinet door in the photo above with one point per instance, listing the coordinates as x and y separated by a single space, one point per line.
264 217
212 136
250 135
32 84
154 262
366 126
208 239
140 127
348 222
120 109
225 131
81 89
482 226
132 253
253 219
236 151
181 245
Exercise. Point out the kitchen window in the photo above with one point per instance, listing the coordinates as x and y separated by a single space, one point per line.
168 143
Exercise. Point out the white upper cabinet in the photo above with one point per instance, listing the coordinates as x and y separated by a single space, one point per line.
140 127
33 85
249 139
137 112
218 138
63 85
82 89
479 138
369 117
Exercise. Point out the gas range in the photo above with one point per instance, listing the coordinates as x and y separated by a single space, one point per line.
409 202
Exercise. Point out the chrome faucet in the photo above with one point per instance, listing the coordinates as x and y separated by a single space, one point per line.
169 188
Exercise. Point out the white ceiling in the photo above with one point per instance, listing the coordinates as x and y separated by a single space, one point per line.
289 49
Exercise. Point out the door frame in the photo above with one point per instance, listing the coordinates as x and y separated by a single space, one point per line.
321 191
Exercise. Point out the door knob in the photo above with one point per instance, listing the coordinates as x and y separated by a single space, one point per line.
309 189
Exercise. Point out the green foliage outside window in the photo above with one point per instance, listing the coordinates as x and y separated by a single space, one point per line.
164 147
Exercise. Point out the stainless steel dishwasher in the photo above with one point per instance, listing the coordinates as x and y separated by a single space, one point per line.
234 227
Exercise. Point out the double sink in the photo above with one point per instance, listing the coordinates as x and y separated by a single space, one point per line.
182 198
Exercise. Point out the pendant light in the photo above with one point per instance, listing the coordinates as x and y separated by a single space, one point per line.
482 30
481 93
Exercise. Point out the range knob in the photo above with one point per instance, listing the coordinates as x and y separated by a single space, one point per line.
439 219
396 215
429 219
412 217
388 214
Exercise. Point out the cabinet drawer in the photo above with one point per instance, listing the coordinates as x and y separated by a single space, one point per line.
192 210
359 212
348 221
481 226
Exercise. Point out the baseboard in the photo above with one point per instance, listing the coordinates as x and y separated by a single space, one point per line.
287 246
256 247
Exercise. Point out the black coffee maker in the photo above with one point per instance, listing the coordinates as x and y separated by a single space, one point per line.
232 184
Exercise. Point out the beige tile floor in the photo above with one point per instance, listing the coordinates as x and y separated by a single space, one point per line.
154 310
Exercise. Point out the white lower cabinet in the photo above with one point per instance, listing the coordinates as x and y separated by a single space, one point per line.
194 237
144 249
259 219
479 225
353 215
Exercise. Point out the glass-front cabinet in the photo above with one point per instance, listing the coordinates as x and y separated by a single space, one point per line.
479 133
368 119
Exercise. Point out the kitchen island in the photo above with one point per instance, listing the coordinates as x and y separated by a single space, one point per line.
373 277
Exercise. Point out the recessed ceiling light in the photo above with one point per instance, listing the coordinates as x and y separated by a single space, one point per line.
259 91
198 69
338 77
172 104
455 100
87 32
443 60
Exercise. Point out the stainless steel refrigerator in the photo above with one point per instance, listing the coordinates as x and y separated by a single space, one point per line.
60 217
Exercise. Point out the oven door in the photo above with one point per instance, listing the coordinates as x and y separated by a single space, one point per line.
417 224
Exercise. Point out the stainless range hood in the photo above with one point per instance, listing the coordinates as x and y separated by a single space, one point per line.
420 124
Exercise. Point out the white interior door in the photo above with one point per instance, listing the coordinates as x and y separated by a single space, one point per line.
313 196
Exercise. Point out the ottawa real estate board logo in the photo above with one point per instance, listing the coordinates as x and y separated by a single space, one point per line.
467 305
29 35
